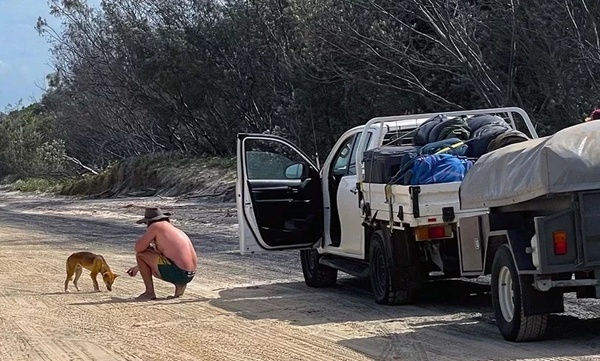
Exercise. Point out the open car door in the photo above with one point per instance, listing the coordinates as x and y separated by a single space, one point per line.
279 196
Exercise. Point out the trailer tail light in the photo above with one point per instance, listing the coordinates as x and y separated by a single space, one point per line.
560 242
433 232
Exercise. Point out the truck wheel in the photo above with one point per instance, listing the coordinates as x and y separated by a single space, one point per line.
384 281
507 301
316 274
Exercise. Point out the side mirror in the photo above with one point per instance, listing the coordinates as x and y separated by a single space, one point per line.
294 171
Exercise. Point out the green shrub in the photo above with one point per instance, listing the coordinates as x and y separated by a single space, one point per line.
37 185
28 148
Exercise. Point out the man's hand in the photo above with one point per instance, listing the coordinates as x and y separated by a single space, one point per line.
133 271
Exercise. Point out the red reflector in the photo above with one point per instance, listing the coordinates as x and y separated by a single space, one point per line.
437 232
431 220
560 242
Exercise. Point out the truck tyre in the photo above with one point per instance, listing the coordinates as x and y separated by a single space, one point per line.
316 274
507 301
384 281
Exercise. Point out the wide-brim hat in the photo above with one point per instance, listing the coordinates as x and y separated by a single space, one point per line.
153 214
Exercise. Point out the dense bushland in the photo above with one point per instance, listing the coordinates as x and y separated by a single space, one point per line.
137 77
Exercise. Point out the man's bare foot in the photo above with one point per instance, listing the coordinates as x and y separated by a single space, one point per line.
146 296
179 290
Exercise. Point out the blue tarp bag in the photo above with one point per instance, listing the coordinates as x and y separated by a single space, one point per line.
439 168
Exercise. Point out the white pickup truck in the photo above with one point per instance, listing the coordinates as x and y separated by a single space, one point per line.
536 243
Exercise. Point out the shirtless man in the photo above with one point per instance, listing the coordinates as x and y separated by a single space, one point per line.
164 252
594 115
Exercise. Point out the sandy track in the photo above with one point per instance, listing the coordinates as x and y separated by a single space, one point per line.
237 308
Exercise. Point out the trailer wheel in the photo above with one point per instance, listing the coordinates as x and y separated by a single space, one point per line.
507 300
385 282
316 274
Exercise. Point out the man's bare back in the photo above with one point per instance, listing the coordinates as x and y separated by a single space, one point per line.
175 245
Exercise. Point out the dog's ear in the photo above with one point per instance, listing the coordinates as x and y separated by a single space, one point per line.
115 275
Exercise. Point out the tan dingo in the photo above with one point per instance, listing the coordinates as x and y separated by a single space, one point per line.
92 262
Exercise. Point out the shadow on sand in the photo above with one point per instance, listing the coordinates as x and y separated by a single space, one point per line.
350 300
473 338
164 300
452 320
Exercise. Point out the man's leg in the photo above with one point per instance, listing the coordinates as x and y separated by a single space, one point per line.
147 262
179 290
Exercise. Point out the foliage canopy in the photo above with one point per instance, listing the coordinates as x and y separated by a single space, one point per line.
142 76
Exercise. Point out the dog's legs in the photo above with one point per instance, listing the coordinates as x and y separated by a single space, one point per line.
70 272
78 270
96 287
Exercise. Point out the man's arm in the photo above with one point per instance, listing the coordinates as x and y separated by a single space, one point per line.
144 241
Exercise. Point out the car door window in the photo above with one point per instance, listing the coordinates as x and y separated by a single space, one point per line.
352 164
272 160
342 158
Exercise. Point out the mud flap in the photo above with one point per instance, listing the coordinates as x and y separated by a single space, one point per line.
403 260
540 303
588 291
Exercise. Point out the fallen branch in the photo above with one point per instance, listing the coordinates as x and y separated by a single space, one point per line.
78 162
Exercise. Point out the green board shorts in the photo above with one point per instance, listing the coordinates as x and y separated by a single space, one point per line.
171 273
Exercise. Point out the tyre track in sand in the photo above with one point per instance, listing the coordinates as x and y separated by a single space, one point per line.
30 316
40 322
237 308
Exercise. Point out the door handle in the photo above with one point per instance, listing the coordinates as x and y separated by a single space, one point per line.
353 190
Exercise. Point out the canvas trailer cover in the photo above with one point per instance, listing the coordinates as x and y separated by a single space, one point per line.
566 161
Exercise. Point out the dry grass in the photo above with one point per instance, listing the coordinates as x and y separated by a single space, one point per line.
155 174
